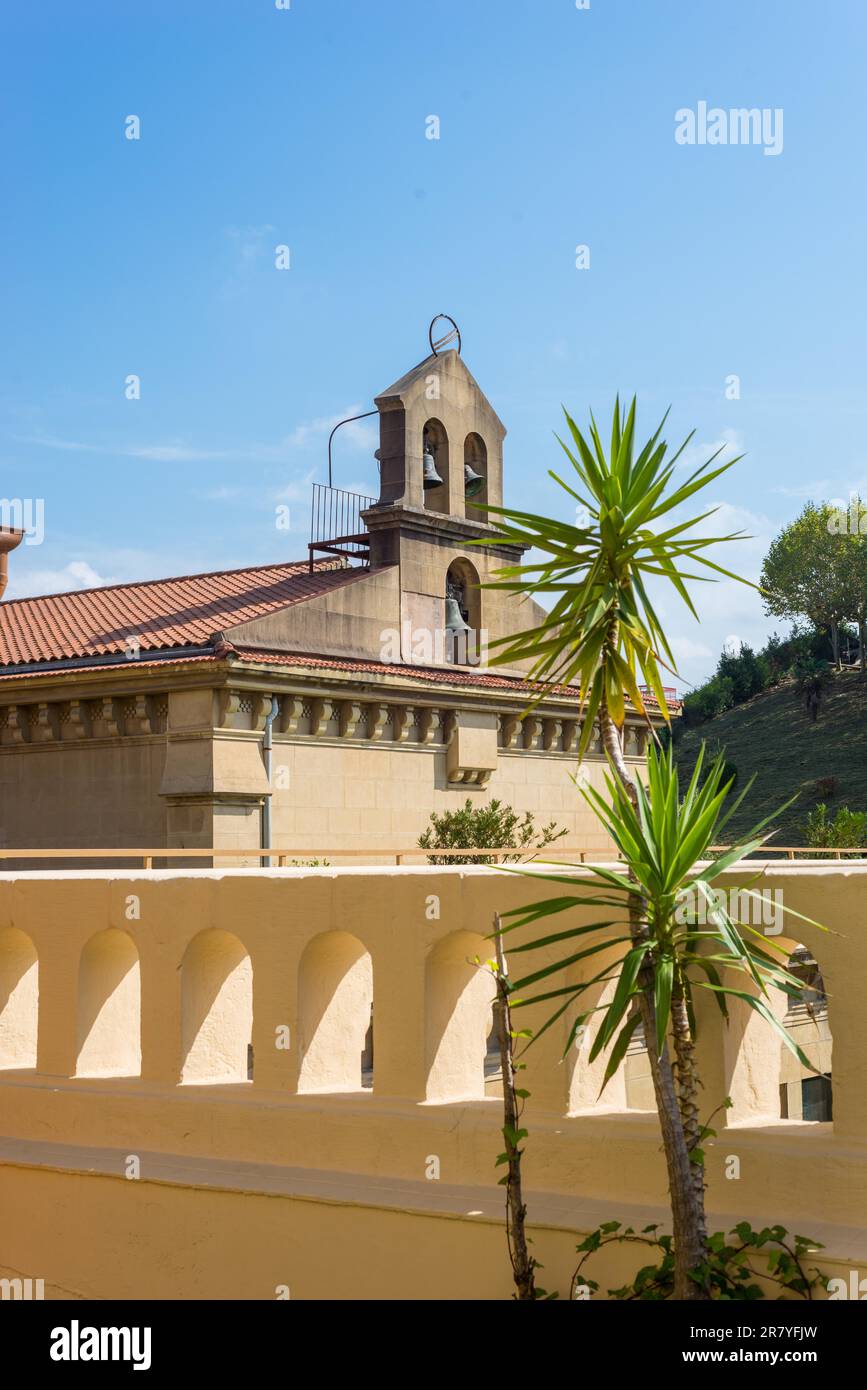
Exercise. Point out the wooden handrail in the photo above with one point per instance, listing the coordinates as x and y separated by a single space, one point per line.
282 854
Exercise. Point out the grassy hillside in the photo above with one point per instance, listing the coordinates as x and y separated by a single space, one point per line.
772 735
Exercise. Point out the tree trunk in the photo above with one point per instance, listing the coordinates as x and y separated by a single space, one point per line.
861 630
516 1212
835 646
686 1192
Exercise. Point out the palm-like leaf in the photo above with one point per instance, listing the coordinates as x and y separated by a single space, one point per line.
665 841
602 630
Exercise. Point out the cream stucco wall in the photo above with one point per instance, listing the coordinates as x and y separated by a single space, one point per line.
302 1175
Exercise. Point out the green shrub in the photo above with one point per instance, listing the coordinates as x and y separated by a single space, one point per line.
494 826
847 830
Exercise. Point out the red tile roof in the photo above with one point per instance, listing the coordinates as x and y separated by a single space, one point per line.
451 675
170 614
162 613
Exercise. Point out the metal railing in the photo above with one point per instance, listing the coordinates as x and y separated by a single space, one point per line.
336 520
669 691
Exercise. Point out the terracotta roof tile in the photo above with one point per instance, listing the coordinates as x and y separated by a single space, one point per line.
161 613
452 675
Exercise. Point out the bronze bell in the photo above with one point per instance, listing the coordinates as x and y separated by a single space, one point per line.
430 476
473 481
454 617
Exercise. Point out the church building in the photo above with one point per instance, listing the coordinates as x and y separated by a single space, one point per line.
141 715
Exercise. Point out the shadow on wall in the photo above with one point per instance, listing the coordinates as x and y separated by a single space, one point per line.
19 999
335 990
216 1009
458 1000
109 1007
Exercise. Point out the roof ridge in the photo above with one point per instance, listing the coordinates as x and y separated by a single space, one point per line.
318 566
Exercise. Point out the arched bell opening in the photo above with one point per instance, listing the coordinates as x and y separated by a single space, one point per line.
435 467
463 614
475 476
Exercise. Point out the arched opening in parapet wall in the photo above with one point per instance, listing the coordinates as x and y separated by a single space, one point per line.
216 1009
335 1003
458 999
804 1094
109 1007
19 999
435 454
630 1088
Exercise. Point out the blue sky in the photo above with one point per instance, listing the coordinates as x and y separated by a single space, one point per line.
306 127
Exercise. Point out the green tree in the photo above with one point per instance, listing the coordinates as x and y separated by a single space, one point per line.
806 573
854 567
603 632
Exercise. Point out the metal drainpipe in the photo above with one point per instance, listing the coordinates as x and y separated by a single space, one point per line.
267 749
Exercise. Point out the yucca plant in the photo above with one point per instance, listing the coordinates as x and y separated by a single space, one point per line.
603 633
690 940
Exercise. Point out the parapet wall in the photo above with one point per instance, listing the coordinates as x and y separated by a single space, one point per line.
187 1112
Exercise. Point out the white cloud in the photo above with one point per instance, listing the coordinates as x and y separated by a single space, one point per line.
358 436
250 242
157 453
728 445
78 574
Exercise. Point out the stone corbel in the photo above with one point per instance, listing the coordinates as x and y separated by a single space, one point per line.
377 718
43 731
450 724
16 725
511 727
139 721
428 724
532 729
290 714
571 732
320 713
401 722
77 725
103 721
261 710
230 705
551 731
349 717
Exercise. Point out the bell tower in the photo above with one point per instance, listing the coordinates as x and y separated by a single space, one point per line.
441 462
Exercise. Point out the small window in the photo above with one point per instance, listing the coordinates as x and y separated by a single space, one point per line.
816 1098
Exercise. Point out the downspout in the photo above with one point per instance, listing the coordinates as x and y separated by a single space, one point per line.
267 750
9 539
